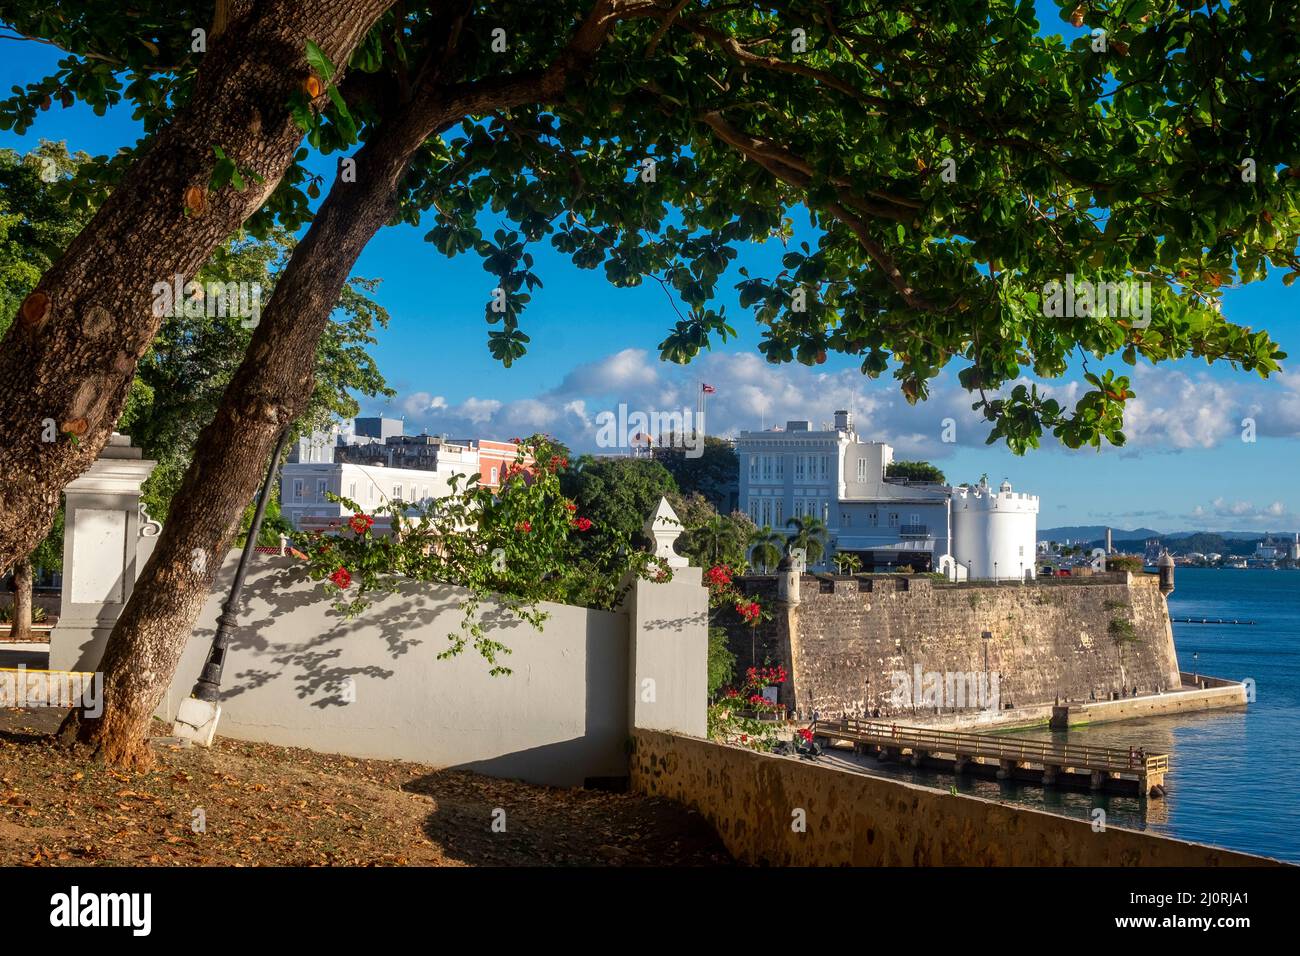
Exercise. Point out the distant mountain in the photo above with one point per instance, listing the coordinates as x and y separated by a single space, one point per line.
1093 532
1097 532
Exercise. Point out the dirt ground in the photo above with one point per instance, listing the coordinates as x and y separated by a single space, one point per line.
277 806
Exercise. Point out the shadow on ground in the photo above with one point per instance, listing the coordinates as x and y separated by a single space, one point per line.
484 821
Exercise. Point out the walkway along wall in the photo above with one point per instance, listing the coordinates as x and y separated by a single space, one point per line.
298 674
783 811
844 639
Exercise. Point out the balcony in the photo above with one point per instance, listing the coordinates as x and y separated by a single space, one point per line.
914 531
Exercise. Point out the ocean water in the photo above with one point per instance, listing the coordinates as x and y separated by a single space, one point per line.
1235 774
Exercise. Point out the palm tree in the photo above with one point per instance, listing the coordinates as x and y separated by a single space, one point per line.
847 562
765 547
810 534
717 538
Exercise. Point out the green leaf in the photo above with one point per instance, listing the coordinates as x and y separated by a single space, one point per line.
319 62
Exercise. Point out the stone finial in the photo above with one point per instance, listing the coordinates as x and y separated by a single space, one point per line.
663 527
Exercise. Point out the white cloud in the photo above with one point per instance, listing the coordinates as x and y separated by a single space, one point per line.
1223 514
1173 410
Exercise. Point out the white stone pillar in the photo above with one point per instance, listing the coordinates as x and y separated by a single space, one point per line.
668 640
107 536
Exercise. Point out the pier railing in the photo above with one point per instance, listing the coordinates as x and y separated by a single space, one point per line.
990 746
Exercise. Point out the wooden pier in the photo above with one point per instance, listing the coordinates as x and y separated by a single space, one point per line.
1005 757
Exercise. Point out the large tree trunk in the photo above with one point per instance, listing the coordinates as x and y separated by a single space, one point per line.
67 362
20 624
269 390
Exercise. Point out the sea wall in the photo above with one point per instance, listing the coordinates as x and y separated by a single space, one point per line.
782 811
848 641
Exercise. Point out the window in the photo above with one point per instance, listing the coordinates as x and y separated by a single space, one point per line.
494 476
874 519
397 492
780 466
913 519
779 505
321 485
862 469
846 520
893 520
825 460
352 490
425 496
826 511
767 467
298 489
753 468
798 467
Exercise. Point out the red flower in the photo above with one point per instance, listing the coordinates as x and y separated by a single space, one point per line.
571 506
582 524
719 575
749 612
341 578
558 462
524 526
361 523
806 734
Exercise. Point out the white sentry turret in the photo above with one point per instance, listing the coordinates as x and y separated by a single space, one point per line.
995 533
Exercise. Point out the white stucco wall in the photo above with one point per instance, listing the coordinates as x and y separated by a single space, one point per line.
559 718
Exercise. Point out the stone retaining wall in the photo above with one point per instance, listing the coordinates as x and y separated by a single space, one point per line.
753 801
847 638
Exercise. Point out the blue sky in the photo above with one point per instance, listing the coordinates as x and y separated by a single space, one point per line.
594 346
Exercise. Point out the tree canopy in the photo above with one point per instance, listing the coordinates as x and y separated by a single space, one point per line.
715 473
914 471
952 160
617 494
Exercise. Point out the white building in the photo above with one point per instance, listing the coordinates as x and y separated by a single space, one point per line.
304 487
887 522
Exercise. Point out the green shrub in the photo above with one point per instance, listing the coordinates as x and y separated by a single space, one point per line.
1121 631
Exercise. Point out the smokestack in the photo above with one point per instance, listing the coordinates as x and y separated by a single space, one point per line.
1109 549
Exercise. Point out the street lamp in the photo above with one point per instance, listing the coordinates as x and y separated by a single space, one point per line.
196 718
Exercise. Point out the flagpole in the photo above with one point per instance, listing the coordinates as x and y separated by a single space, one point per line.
699 412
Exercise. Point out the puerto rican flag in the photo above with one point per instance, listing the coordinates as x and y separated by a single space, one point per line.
707 389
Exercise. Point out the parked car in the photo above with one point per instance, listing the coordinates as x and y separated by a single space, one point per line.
1046 572
1063 573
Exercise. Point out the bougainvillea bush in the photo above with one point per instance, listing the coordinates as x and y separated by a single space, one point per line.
744 716
518 545
737 715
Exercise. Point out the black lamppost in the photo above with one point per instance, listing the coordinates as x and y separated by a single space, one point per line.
208 686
